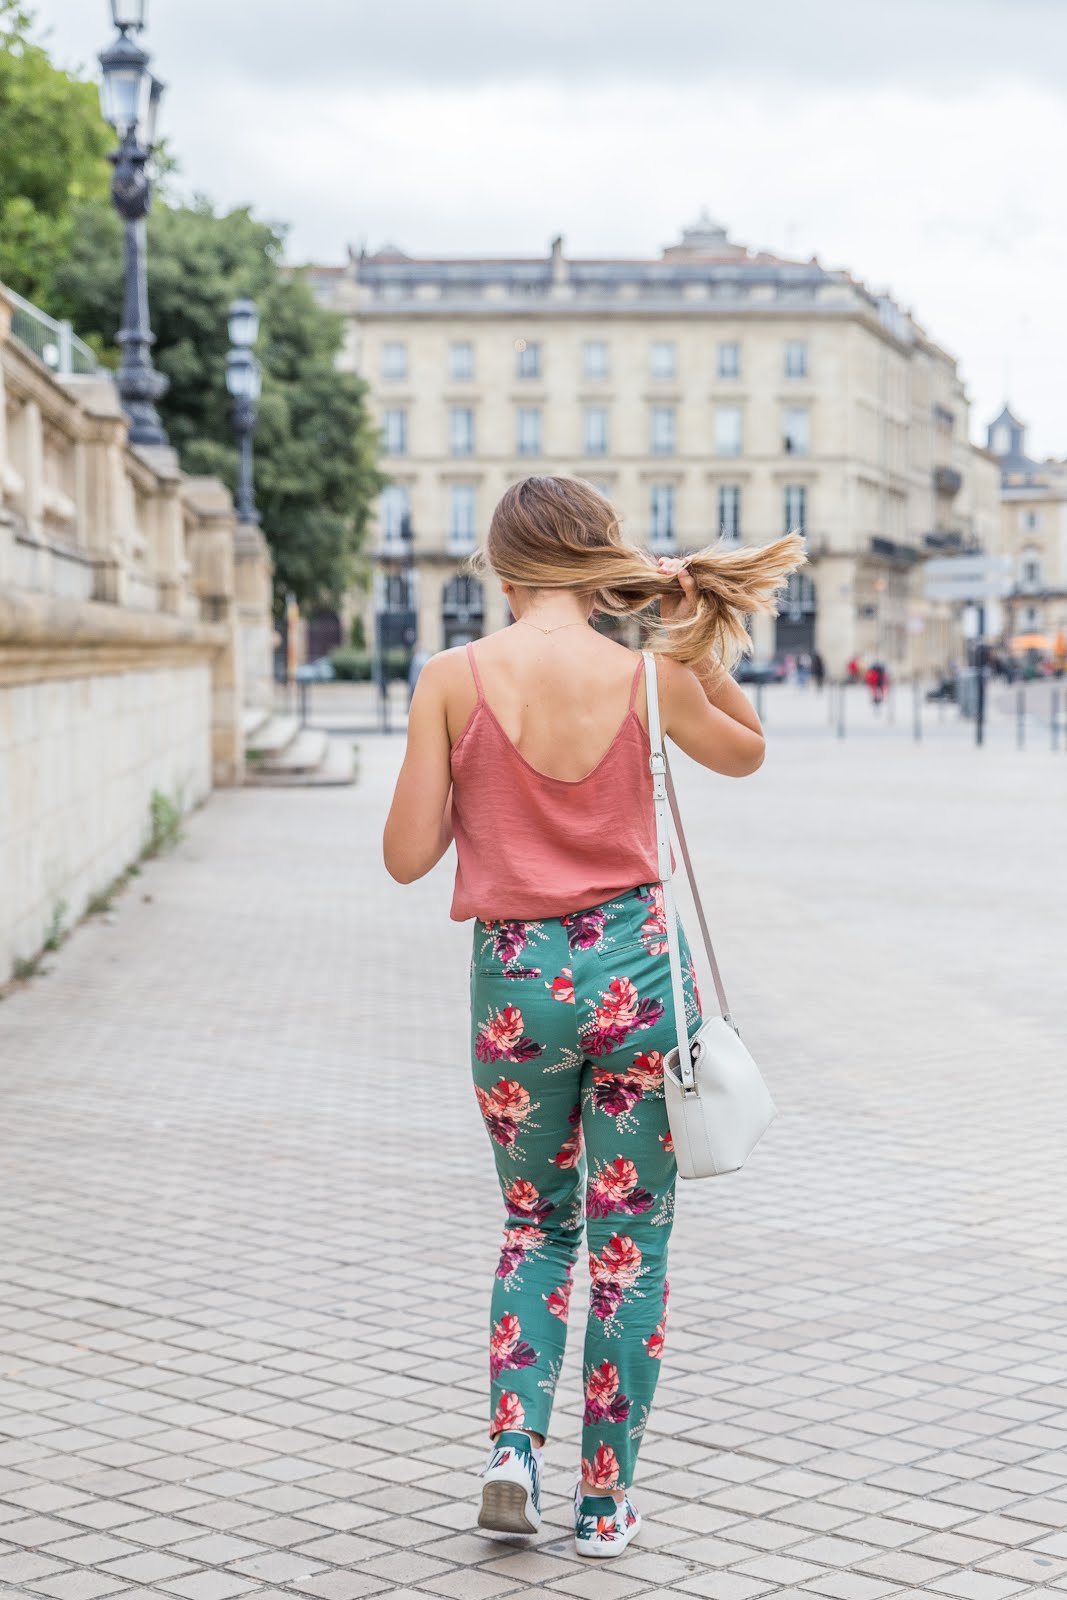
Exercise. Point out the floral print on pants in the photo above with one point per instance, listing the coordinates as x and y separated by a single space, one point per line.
570 1020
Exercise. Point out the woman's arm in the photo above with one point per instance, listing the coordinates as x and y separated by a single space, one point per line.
418 829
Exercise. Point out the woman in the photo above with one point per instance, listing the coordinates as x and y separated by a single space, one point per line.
530 749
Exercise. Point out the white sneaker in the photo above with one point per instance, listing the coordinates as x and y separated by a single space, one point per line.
511 1486
603 1527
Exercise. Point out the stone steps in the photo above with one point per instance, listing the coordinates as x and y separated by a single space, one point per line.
253 719
279 753
337 769
271 736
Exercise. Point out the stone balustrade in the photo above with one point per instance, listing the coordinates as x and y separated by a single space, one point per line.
135 627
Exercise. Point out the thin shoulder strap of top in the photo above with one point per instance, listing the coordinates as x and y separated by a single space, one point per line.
640 667
474 669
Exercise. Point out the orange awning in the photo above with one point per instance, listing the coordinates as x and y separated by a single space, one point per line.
1030 641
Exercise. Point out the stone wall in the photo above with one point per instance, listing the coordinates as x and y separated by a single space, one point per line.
134 623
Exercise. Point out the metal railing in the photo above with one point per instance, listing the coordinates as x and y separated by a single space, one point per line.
54 343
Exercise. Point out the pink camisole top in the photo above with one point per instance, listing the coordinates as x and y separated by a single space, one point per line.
529 845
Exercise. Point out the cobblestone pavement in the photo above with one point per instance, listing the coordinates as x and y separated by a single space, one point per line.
249 1218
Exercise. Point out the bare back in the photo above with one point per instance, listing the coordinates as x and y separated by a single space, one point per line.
561 705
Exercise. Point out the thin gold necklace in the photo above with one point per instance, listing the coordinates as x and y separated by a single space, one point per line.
555 629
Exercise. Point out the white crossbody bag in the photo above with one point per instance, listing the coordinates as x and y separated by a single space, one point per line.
718 1106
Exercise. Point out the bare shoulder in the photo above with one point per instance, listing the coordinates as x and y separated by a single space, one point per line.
444 668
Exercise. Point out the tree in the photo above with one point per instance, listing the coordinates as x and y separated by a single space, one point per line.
53 154
315 448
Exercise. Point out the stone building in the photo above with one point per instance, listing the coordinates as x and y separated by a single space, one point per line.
1033 532
712 391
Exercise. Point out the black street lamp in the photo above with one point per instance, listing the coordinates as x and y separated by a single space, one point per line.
129 98
244 380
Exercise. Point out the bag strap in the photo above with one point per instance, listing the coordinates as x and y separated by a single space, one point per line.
664 797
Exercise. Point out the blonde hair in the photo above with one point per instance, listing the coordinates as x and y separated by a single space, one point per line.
560 533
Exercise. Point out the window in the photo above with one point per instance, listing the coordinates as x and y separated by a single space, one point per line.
728 430
730 511
594 359
460 517
729 361
395 513
395 430
595 430
661 440
661 362
461 361
796 431
1031 569
528 431
796 506
661 515
1032 521
796 358
461 430
528 358
394 359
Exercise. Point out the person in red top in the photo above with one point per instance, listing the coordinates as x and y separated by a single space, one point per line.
529 749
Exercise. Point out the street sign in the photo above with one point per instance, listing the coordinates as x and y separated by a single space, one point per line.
955 578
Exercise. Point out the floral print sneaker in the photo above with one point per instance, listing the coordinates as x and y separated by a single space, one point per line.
602 1527
511 1486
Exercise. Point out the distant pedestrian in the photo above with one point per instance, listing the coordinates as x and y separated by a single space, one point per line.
803 669
854 670
877 682
818 669
530 749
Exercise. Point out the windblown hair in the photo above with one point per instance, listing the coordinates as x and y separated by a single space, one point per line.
560 533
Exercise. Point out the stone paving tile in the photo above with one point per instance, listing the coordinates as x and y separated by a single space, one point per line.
241 1322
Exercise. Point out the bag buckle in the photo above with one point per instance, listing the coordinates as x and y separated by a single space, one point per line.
658 763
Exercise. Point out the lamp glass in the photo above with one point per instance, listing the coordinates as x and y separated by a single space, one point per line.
243 324
124 84
242 375
128 13
120 97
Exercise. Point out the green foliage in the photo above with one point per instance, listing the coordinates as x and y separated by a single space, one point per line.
358 665
53 149
165 824
315 448
357 633
55 933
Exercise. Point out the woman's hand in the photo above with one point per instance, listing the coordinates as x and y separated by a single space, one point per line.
676 608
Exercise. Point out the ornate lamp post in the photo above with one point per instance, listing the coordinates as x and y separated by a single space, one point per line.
129 98
244 380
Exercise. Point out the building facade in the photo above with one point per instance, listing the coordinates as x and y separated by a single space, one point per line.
1033 533
713 391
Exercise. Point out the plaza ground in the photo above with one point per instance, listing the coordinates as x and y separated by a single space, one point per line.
248 1217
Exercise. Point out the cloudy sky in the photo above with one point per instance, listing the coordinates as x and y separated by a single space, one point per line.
920 143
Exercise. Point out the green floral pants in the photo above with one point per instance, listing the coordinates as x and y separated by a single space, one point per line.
570 1019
